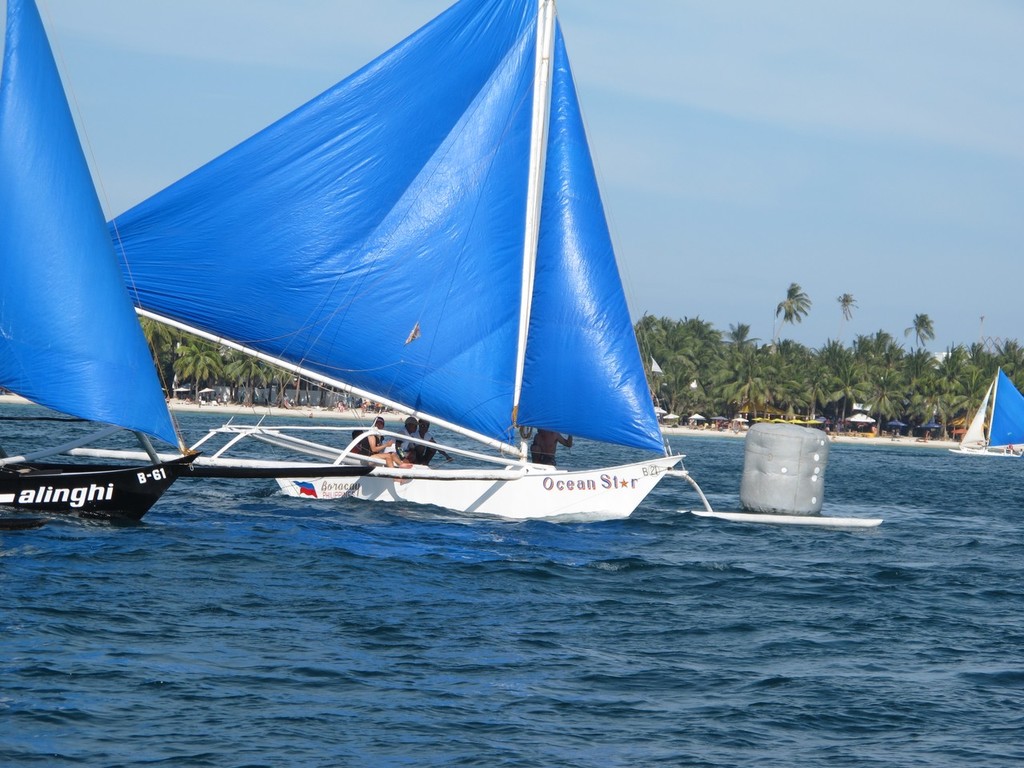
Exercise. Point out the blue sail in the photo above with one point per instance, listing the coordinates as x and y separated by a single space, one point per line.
583 373
1007 426
69 337
376 235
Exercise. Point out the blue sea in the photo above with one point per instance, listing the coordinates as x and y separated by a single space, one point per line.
236 627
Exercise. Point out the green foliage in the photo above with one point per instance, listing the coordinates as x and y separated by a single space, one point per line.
737 374
718 374
793 308
196 363
922 329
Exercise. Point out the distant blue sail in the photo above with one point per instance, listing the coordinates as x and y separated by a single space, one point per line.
1007 414
69 337
375 236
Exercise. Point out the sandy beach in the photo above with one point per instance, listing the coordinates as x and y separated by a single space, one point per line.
393 417
849 437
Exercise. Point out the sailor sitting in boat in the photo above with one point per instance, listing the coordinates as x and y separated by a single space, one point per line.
409 450
426 452
381 449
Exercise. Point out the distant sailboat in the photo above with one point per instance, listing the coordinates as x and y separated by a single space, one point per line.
69 338
997 428
428 234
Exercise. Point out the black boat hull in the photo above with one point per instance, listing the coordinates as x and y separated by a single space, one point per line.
272 472
88 490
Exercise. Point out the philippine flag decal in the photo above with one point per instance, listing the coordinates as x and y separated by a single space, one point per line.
306 489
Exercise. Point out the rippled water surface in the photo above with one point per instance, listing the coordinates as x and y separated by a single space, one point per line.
235 627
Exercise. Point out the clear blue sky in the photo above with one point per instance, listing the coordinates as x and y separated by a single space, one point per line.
872 147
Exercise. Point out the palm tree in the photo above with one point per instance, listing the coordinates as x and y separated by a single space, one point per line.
792 309
922 329
248 371
846 303
881 347
950 378
920 380
786 378
199 360
918 367
162 339
743 378
739 335
849 384
884 396
1010 355
843 377
815 385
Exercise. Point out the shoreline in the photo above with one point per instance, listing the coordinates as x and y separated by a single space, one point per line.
358 415
849 438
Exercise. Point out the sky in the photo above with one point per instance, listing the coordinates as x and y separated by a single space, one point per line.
874 148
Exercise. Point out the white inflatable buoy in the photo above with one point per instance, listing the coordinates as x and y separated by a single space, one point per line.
784 469
783 480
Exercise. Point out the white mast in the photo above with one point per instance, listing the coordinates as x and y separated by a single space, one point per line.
535 187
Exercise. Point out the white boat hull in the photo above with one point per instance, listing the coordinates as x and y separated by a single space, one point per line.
995 453
517 493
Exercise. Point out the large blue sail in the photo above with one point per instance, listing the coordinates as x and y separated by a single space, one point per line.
1007 426
375 236
583 371
69 338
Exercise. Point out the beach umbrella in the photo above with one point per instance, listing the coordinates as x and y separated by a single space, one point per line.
931 425
719 418
740 419
861 418
895 423
697 417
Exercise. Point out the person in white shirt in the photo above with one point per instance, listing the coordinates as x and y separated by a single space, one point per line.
411 451
380 448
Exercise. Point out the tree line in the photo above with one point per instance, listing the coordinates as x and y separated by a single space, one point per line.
191 364
709 371
703 369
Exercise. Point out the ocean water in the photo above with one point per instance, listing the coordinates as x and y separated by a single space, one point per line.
235 627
